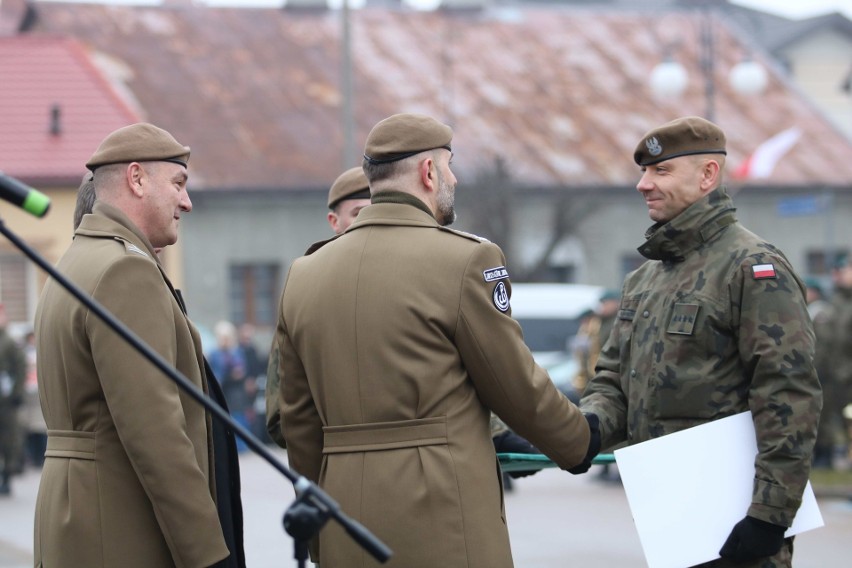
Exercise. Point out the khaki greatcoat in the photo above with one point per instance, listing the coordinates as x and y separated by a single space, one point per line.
393 350
127 479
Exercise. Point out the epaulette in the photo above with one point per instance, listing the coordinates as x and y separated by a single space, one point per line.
131 248
470 236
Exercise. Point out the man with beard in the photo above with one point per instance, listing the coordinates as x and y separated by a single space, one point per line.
396 342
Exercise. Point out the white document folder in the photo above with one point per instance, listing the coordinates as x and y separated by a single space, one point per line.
687 490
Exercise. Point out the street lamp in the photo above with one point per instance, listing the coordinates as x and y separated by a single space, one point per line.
669 78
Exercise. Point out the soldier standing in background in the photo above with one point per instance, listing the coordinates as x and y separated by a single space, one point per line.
591 336
838 351
349 193
13 373
713 324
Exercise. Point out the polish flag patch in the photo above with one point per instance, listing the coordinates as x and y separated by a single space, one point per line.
761 271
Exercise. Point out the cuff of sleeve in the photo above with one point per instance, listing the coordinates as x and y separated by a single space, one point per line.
771 503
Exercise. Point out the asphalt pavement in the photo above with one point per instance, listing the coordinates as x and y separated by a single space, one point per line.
556 520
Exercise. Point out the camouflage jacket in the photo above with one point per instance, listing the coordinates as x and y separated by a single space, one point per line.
713 325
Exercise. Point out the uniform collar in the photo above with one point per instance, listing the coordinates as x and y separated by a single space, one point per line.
672 241
109 222
402 198
394 208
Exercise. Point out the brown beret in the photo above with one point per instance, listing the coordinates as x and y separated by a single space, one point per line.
139 142
351 184
681 137
403 135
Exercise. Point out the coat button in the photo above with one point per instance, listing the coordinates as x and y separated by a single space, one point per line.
632 372
646 314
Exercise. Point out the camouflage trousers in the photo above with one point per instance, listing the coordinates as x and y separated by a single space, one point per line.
784 559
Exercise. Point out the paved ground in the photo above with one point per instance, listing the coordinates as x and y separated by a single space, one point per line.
555 521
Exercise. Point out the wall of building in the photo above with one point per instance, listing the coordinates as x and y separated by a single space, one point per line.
819 65
246 227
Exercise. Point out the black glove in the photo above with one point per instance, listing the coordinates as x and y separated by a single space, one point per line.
752 539
594 445
510 443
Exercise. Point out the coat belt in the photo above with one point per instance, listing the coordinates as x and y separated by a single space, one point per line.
70 444
385 435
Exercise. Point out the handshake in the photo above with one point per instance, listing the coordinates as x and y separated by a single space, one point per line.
509 442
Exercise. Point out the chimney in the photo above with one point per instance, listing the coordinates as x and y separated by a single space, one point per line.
55 120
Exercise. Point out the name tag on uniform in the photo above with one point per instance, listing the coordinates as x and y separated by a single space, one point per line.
496 273
683 319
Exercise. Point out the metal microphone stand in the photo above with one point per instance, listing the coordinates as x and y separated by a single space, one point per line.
312 507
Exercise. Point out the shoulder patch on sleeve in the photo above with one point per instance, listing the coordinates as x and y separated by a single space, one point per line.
501 297
763 271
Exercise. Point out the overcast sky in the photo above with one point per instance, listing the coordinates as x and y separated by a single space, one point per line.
788 8
799 8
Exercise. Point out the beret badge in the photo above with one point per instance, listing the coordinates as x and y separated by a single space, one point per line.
653 146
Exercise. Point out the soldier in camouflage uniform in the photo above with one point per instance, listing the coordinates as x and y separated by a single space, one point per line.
13 374
714 324
837 331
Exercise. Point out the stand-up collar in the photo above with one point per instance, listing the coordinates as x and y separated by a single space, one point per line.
672 241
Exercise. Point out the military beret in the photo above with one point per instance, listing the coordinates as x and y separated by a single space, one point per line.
403 135
139 142
351 184
681 137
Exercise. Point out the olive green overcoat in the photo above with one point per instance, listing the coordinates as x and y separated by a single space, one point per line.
127 479
396 340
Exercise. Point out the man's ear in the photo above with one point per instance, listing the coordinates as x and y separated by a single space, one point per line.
135 175
710 172
428 176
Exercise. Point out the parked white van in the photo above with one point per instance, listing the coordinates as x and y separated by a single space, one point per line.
549 315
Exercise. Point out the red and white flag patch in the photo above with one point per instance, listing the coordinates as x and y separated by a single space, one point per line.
761 271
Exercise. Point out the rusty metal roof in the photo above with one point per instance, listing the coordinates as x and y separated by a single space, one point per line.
561 93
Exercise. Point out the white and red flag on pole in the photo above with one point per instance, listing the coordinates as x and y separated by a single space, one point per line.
765 157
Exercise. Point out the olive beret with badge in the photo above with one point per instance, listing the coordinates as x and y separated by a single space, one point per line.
141 142
681 137
351 184
403 135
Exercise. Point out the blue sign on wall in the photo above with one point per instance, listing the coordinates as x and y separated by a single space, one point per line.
798 206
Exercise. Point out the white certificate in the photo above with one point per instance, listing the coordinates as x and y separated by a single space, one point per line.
687 490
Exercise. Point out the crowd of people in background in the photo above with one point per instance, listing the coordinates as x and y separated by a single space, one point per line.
240 367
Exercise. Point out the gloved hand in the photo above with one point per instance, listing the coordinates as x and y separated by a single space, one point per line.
751 539
510 443
594 445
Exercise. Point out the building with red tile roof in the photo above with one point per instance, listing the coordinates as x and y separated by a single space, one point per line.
556 95
55 108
